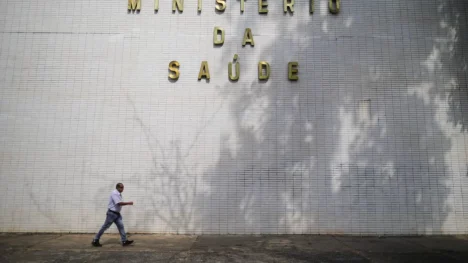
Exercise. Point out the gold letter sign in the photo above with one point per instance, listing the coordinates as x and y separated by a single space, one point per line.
216 32
288 4
292 70
261 65
242 5
179 4
334 6
261 5
204 71
134 5
237 65
220 5
174 69
248 37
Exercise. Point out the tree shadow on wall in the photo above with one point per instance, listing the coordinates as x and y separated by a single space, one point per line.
358 145
173 188
454 45
170 188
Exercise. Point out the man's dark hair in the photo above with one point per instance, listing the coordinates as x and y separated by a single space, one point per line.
119 185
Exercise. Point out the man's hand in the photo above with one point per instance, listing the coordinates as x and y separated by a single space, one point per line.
130 203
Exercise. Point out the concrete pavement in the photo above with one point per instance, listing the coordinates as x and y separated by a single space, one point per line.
232 248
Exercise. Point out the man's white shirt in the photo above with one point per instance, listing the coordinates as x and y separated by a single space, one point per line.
114 199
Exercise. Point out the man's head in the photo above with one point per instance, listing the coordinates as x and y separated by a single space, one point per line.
119 187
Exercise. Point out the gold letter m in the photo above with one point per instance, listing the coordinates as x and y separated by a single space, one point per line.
134 5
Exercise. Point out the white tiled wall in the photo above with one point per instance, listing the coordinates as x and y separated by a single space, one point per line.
372 139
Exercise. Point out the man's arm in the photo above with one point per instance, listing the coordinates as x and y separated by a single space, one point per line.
125 203
117 200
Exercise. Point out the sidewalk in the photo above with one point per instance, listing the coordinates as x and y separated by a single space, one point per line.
231 248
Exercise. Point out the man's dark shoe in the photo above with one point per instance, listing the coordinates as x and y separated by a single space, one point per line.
96 243
127 242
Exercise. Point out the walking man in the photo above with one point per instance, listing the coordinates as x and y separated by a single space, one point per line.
113 216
